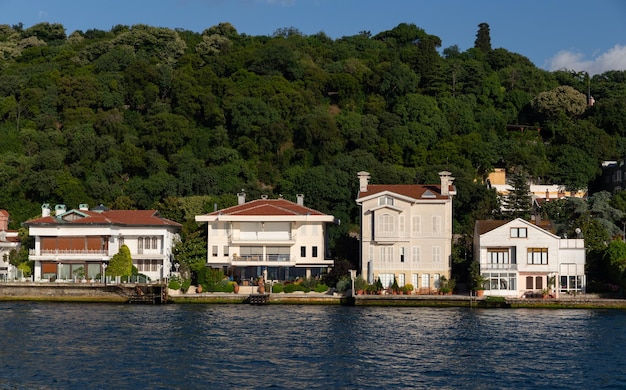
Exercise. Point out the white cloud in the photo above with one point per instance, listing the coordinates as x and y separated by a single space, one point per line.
613 59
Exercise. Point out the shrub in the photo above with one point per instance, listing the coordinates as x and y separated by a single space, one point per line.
359 283
186 284
343 285
278 288
290 288
174 284
320 288
409 287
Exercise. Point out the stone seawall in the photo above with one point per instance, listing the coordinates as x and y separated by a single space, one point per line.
62 292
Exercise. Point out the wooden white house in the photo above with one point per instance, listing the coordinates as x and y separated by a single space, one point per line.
406 232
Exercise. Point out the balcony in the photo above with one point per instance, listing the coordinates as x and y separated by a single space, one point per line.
262 237
67 253
498 267
247 259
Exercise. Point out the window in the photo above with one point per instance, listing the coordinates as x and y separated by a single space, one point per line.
121 241
415 255
385 225
226 250
519 232
529 283
539 282
401 225
415 280
303 251
498 256
402 254
401 280
386 254
314 251
501 281
537 255
437 224
416 225
437 280
147 242
214 251
425 281
436 254
155 243
385 200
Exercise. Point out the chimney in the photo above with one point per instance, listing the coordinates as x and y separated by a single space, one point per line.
300 198
241 197
364 178
4 220
45 210
59 209
446 182
83 207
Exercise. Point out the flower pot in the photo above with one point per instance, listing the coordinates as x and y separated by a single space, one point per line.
236 288
480 293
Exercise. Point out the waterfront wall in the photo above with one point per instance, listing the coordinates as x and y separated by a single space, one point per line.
62 292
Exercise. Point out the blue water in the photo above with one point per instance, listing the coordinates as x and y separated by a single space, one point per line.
103 346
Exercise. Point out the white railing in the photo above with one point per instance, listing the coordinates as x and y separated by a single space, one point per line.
66 252
498 266
262 236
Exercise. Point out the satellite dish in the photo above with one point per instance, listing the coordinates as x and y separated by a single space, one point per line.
3 236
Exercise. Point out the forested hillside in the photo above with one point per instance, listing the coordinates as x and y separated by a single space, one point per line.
142 117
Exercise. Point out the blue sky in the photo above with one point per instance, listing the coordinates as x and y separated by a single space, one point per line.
554 34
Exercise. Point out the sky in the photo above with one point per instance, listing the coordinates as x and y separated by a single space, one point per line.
577 35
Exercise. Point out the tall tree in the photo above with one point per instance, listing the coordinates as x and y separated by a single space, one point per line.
517 204
483 38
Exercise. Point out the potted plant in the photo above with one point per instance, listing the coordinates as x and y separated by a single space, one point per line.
478 281
409 288
359 285
394 286
379 286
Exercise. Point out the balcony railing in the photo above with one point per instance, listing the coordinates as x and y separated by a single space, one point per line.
68 252
262 237
498 266
268 258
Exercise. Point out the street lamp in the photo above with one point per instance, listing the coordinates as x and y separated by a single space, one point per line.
60 266
104 270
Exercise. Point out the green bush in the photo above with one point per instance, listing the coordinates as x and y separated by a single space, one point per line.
174 284
278 288
320 288
343 285
186 284
290 288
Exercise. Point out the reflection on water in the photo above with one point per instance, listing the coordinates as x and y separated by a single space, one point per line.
55 345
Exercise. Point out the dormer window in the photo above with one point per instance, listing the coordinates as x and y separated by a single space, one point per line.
385 200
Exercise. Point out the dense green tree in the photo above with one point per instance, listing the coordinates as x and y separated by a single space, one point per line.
121 264
483 38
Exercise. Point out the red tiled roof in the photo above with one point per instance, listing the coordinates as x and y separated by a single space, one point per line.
415 191
110 217
269 207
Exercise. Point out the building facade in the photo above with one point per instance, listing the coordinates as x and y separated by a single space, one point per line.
9 241
519 258
274 238
406 232
78 244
